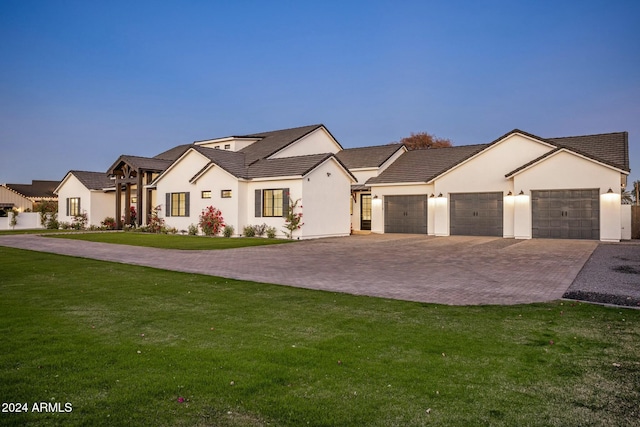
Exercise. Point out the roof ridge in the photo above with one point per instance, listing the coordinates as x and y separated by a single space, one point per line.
594 134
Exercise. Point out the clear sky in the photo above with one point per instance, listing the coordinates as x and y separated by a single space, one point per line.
82 82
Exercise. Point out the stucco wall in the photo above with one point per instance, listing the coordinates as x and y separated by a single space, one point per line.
20 202
25 221
215 180
568 171
295 192
326 198
317 142
72 187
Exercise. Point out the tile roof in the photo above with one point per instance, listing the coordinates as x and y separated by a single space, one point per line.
93 180
424 165
137 162
285 166
367 157
612 148
272 142
174 153
37 188
231 161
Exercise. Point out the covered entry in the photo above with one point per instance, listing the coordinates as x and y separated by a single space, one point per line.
566 214
405 214
476 214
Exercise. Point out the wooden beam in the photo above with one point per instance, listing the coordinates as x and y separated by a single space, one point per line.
139 194
118 204
127 204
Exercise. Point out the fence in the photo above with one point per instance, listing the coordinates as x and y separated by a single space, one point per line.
635 222
26 220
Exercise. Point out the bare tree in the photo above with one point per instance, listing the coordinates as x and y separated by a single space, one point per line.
424 140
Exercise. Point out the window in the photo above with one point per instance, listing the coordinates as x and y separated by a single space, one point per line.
272 202
206 194
177 204
227 146
225 194
73 206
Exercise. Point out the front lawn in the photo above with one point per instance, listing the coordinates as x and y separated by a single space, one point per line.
129 345
171 241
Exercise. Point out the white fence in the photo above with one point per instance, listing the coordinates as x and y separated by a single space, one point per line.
26 220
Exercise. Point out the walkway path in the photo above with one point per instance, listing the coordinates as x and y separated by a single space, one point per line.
448 270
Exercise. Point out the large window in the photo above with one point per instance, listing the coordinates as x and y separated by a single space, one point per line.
73 206
177 204
272 202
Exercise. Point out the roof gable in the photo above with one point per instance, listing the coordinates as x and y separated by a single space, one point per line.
368 157
609 148
272 142
37 188
91 180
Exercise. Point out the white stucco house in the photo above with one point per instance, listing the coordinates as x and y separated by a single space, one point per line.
85 192
518 186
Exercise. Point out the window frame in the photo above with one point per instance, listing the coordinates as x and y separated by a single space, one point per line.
205 194
226 194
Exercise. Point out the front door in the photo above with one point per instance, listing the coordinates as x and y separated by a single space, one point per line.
365 212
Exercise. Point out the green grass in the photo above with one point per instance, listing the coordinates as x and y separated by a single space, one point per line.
34 231
171 241
249 354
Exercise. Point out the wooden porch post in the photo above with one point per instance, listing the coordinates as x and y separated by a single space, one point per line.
127 203
149 196
139 193
118 204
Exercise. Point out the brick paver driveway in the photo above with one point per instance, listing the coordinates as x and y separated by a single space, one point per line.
447 270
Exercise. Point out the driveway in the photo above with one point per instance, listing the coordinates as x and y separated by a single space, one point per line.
447 270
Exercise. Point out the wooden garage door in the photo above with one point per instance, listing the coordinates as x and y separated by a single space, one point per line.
566 214
405 214
476 214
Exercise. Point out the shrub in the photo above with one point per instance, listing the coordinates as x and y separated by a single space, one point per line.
193 230
260 229
293 220
65 225
80 221
14 218
52 221
228 231
211 221
248 231
271 232
155 224
109 223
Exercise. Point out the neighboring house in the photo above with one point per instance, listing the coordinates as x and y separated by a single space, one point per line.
80 192
24 197
519 185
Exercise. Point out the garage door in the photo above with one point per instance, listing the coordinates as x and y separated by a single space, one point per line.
476 214
566 214
405 214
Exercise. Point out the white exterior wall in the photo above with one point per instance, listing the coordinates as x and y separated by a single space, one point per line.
72 187
486 173
176 180
566 171
377 205
102 205
326 196
295 192
215 180
235 144
317 142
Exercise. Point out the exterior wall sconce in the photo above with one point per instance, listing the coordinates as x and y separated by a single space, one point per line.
432 196
610 191
375 197
440 195
521 193
328 173
510 193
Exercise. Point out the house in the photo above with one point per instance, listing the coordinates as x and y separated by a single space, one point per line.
80 192
24 197
365 163
519 186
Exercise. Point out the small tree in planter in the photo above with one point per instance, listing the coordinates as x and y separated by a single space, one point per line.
211 221
155 223
14 218
293 219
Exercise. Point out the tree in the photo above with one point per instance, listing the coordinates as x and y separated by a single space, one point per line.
424 140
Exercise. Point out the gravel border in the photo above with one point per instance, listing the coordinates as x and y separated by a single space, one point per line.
610 276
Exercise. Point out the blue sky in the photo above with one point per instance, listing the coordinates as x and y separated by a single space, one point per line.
83 82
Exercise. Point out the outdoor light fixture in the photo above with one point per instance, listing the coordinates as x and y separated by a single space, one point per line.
510 193
375 197
610 191
521 193
432 196
440 195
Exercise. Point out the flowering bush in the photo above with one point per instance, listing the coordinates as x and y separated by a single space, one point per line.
80 221
293 220
211 221
109 223
133 217
155 223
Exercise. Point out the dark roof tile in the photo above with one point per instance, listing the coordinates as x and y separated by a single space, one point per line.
36 189
367 157
93 180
